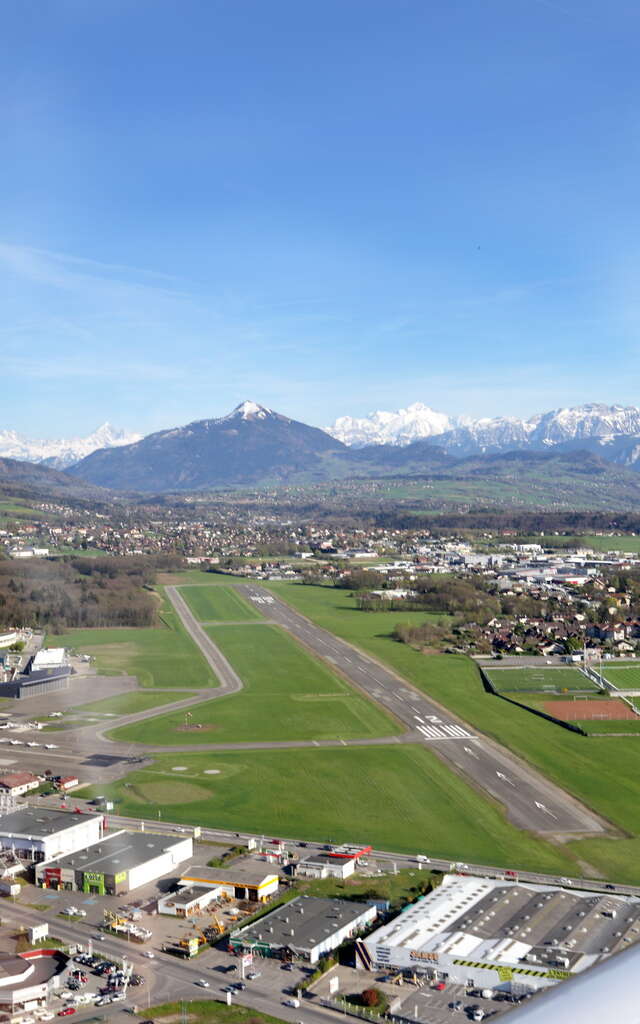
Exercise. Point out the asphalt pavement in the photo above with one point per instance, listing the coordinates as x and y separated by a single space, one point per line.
530 801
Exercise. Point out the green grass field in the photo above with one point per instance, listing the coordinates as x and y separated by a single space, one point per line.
164 657
130 703
539 680
221 604
621 677
601 772
208 1011
287 694
610 725
397 798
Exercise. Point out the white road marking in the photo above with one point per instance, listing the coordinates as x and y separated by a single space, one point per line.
502 776
469 751
541 807
418 719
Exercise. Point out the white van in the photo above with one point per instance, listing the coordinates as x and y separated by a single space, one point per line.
292 1002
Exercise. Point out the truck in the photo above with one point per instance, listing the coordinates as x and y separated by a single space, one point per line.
9 888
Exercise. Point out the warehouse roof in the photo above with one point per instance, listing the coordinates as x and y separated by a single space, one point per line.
120 851
40 822
505 922
243 872
304 922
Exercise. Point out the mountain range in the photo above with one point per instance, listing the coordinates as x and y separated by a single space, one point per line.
612 431
62 453
256 447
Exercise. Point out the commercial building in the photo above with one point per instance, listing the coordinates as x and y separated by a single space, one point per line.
323 865
187 901
27 979
511 936
40 833
50 658
117 864
305 928
246 879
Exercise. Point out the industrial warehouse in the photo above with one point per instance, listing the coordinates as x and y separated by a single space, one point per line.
40 833
245 880
305 928
119 863
509 936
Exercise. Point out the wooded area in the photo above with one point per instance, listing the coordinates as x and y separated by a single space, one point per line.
64 593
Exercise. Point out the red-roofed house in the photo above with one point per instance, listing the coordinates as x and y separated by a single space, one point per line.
17 783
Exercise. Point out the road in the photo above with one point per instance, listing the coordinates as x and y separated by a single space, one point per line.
531 802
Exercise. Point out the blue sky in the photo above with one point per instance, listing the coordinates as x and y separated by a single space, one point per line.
328 207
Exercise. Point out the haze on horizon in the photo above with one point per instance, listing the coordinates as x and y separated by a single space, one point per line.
328 209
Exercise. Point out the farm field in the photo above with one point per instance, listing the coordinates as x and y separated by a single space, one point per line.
622 677
288 695
222 604
161 657
601 772
398 798
132 702
539 680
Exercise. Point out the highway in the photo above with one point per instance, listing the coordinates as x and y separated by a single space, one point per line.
531 802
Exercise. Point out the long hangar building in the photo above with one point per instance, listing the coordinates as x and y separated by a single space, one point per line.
511 936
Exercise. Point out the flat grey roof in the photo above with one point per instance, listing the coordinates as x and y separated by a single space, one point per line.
40 822
120 851
188 895
311 919
242 872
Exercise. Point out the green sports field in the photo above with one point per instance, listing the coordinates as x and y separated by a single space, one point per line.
539 680
622 677
396 798
288 695
218 604
163 657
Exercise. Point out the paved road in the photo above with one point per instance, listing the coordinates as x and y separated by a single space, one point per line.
530 800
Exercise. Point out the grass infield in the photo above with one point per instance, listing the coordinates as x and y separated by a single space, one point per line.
394 797
221 604
288 695
165 657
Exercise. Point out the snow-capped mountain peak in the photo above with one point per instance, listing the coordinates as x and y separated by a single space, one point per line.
401 427
464 435
251 410
62 453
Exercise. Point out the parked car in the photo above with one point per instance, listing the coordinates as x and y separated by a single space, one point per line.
202 982
67 1010
149 955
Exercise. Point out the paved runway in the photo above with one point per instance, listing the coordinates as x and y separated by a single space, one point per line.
530 800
